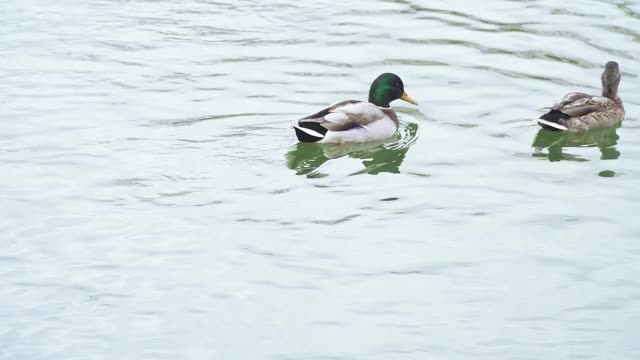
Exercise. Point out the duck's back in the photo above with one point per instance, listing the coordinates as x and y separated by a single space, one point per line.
349 121
580 111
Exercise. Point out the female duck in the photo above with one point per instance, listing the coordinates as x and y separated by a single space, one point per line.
357 121
579 111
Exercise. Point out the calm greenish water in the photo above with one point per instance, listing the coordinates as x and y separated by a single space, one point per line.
156 205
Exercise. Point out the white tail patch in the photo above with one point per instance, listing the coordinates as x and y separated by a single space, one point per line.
552 124
310 132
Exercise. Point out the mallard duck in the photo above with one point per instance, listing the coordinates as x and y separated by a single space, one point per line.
580 111
357 121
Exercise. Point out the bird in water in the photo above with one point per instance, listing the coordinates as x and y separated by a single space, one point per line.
354 120
580 111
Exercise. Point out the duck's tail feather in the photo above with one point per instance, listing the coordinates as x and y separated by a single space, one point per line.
552 121
548 125
309 131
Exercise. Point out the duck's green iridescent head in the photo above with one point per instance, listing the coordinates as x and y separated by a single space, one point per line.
386 88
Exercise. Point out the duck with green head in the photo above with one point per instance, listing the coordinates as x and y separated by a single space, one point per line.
357 121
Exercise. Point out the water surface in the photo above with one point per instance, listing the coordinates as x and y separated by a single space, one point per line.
155 203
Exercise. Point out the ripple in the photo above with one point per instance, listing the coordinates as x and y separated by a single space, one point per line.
153 189
377 156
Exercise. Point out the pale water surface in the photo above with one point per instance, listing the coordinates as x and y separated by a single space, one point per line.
155 204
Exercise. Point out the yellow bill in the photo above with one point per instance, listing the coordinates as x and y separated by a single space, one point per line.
408 99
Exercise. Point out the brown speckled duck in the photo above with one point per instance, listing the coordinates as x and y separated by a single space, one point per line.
580 111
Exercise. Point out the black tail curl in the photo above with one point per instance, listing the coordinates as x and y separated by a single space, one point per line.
305 137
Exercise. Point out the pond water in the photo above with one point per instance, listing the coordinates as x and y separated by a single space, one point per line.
156 205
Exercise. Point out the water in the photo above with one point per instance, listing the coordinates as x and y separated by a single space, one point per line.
155 204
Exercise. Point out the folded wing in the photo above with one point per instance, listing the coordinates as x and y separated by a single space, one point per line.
344 115
578 104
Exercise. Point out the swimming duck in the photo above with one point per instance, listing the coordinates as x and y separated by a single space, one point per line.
579 111
354 120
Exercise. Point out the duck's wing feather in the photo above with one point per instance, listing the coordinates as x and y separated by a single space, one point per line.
579 104
345 115
568 99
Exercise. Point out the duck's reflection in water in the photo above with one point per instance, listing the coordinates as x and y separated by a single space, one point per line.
384 156
554 145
